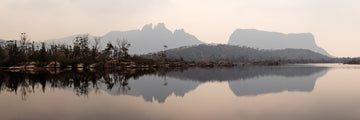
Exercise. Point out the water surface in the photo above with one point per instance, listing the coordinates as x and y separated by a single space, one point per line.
289 92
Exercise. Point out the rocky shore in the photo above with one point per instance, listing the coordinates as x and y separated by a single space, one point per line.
112 65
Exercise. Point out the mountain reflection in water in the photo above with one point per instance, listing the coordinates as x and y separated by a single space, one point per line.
158 85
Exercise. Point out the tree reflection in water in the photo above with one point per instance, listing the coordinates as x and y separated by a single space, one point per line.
81 83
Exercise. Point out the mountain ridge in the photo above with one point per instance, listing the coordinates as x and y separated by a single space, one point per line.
274 40
233 53
150 38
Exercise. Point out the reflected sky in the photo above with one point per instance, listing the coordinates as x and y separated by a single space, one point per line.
266 95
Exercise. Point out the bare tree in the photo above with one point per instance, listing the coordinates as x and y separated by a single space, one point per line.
96 43
123 46
164 52
95 47
107 52
118 52
23 40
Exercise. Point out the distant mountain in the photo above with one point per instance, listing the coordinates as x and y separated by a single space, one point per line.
3 41
243 54
273 40
149 39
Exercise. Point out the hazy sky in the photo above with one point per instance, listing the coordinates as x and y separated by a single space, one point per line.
334 23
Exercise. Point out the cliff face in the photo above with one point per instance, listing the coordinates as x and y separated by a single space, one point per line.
273 40
152 38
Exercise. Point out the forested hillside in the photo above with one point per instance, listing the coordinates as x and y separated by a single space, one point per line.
216 53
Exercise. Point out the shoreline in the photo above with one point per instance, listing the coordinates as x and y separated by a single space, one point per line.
114 66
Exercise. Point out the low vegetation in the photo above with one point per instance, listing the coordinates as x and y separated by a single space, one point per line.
19 55
22 52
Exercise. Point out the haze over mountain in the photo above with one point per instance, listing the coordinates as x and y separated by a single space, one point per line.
152 38
274 40
3 40
149 39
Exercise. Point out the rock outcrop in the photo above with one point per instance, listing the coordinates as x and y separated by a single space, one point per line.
273 40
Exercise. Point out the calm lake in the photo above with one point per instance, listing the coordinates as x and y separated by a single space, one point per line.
288 92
